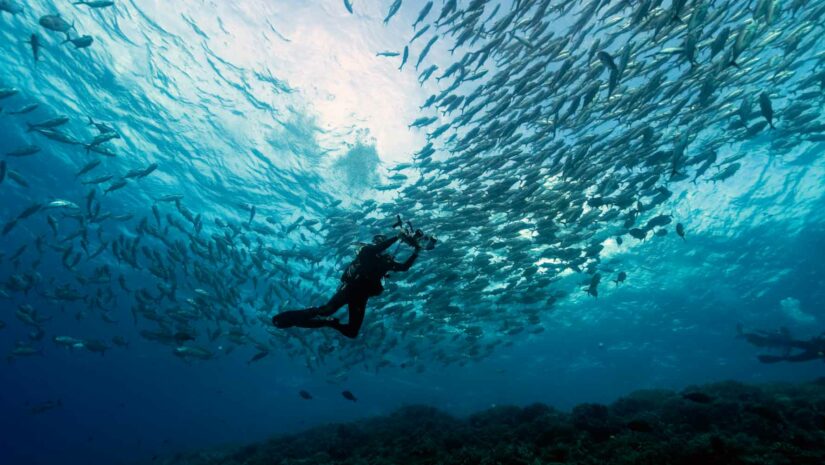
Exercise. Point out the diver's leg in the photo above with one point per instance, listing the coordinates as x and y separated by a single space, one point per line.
335 302
312 323
803 357
357 309
292 318
303 318
800 357
772 358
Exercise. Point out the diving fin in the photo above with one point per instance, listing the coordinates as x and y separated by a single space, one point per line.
292 318
771 359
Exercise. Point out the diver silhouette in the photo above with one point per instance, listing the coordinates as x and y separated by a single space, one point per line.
793 350
360 281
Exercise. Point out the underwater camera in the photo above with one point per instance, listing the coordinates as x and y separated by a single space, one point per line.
414 237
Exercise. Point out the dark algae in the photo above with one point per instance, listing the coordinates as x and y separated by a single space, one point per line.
721 423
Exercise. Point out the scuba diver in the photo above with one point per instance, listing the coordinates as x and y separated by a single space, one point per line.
360 281
811 349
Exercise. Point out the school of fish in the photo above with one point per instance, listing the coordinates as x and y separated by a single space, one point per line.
559 125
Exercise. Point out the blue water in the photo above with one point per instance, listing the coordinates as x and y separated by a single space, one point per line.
285 106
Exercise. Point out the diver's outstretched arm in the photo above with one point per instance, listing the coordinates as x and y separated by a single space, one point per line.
380 247
407 263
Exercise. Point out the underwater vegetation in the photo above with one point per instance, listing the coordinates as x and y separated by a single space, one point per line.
721 423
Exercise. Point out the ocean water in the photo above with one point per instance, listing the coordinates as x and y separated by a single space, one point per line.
285 106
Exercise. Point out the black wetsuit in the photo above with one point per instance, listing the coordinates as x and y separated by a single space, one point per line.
360 281
812 349
806 350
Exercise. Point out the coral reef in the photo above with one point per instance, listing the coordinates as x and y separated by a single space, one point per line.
722 423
